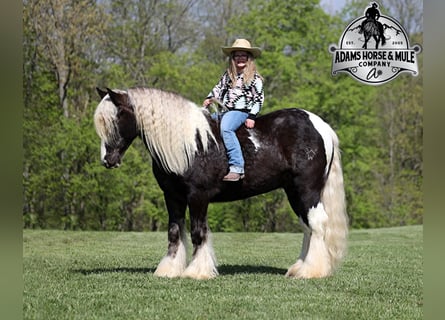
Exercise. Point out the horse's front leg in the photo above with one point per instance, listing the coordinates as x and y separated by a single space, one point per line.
203 263
174 263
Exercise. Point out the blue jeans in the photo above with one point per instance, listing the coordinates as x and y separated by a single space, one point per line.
230 122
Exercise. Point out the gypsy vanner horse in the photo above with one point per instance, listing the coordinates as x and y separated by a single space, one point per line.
291 149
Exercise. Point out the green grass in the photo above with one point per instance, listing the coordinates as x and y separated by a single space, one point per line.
109 275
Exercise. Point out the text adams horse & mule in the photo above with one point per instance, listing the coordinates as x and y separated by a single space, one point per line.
291 149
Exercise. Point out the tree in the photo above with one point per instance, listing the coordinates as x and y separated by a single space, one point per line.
145 31
398 175
176 45
401 116
64 31
296 65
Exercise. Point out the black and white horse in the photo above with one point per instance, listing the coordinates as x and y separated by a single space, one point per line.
291 149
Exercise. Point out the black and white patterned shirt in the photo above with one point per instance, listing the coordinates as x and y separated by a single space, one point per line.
245 97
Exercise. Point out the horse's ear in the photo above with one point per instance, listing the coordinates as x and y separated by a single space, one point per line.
101 92
119 99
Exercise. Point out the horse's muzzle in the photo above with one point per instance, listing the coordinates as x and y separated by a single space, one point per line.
110 165
111 161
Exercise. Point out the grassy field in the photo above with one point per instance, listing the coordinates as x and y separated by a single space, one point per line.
109 275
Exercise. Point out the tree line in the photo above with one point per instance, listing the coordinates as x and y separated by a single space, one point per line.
72 46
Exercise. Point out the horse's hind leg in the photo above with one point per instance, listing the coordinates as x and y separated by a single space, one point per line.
293 270
314 261
174 263
203 264
317 263
382 33
377 40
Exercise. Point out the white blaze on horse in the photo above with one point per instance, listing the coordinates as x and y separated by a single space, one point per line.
290 149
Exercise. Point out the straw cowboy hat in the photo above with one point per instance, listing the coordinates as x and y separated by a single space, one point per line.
242 45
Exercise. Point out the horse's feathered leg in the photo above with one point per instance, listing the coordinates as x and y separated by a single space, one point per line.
203 264
313 261
316 263
328 225
293 270
174 263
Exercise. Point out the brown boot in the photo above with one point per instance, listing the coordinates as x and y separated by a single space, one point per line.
233 176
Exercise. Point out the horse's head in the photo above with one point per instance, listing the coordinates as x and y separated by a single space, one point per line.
115 124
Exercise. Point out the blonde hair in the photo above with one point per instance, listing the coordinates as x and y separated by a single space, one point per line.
249 71
158 114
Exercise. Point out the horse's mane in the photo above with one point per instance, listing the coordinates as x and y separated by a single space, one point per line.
170 124
105 119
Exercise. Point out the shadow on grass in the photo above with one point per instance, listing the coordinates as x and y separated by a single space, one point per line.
223 270
237 269
87 272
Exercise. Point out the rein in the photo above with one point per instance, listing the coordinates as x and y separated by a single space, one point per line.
218 106
219 109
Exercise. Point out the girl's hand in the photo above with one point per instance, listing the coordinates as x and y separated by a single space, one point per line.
250 123
207 102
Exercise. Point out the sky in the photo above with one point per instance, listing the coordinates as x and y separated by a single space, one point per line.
332 6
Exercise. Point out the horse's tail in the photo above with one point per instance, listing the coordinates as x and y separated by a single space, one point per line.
334 202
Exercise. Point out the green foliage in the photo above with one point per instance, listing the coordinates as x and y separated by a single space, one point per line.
176 45
109 275
296 66
295 62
